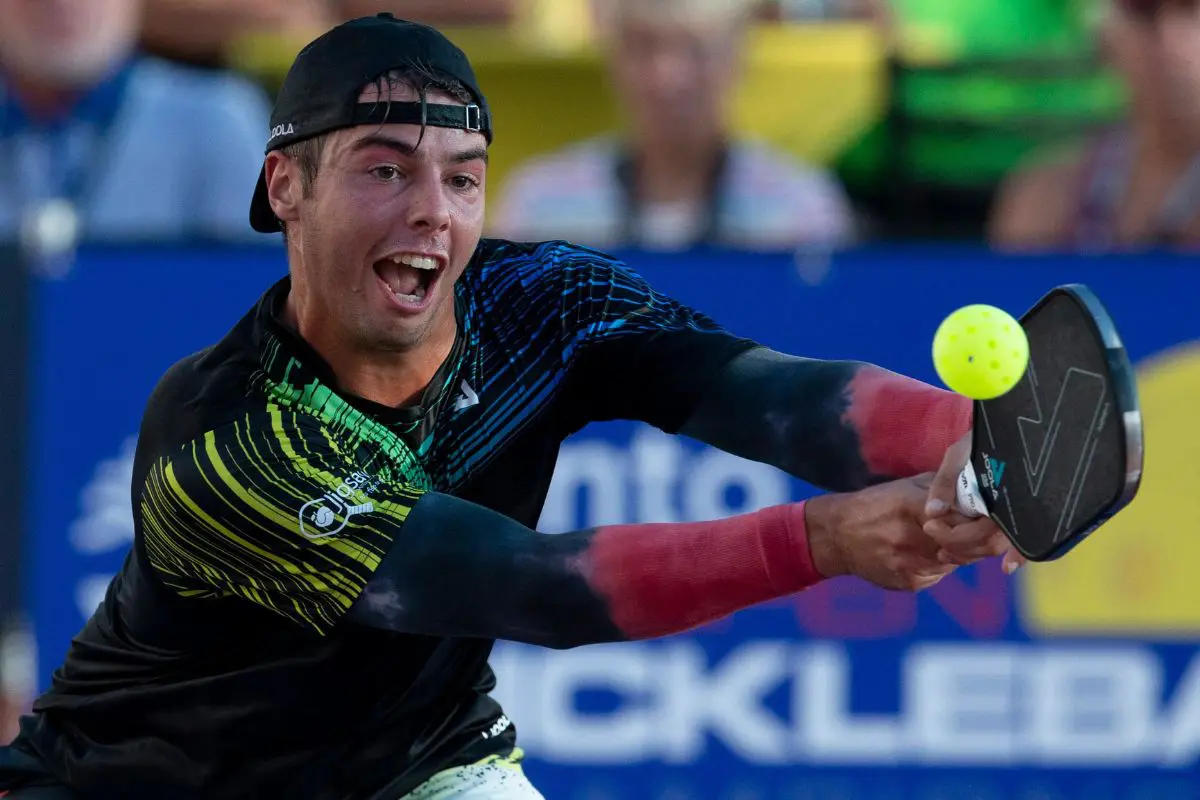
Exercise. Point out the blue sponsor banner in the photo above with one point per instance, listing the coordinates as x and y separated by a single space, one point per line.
1075 679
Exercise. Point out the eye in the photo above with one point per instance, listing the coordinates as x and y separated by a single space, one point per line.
464 182
385 172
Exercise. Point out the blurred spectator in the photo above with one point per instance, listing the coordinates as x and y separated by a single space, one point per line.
437 12
202 31
807 10
680 177
1137 185
99 142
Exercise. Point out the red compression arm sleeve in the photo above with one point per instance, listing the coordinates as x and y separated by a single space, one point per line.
458 569
661 579
904 426
840 425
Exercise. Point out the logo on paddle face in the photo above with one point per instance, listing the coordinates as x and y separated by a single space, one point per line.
993 474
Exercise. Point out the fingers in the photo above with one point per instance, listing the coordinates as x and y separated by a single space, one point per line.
941 529
955 531
890 541
1012 562
942 490
927 580
975 540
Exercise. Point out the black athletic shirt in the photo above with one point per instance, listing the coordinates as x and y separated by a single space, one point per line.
216 666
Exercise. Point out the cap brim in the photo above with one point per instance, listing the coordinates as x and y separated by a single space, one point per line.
262 218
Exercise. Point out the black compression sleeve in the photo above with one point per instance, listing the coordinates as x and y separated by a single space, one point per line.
840 425
462 570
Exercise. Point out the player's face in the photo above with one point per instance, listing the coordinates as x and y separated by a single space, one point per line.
66 43
389 227
674 77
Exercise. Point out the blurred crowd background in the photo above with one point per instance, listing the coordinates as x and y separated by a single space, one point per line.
1065 126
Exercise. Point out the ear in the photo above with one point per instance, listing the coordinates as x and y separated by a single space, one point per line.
283 186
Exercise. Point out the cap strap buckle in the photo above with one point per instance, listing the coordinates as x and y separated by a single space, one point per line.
474 118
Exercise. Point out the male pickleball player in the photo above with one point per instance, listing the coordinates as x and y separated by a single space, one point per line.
334 505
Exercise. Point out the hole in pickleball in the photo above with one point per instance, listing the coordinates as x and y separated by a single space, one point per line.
992 343
970 359
1016 354
995 365
953 338
1006 328
1007 379
970 329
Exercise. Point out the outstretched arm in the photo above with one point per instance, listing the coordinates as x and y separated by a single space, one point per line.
635 353
458 569
277 511
840 425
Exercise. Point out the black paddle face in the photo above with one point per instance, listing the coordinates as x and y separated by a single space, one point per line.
1062 452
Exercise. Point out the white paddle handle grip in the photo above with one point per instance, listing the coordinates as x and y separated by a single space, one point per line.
968 500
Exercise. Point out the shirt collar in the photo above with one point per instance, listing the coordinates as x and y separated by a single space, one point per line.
286 358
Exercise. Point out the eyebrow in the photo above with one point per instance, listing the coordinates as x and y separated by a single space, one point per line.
405 149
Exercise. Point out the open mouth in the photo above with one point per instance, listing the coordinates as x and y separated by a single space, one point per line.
409 278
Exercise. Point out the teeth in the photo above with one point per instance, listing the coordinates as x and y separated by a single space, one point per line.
416 262
416 297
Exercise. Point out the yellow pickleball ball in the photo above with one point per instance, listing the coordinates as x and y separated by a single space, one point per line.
980 351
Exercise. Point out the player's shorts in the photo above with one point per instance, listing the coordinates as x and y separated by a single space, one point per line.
494 778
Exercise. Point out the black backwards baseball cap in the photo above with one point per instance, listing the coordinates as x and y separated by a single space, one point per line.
321 90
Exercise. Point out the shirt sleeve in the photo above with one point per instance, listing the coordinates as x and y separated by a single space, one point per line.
274 509
632 352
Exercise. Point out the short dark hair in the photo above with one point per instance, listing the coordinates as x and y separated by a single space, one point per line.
419 77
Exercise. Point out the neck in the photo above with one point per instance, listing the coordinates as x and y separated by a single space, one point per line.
393 378
676 171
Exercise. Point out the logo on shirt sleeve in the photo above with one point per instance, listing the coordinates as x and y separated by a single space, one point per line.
329 514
